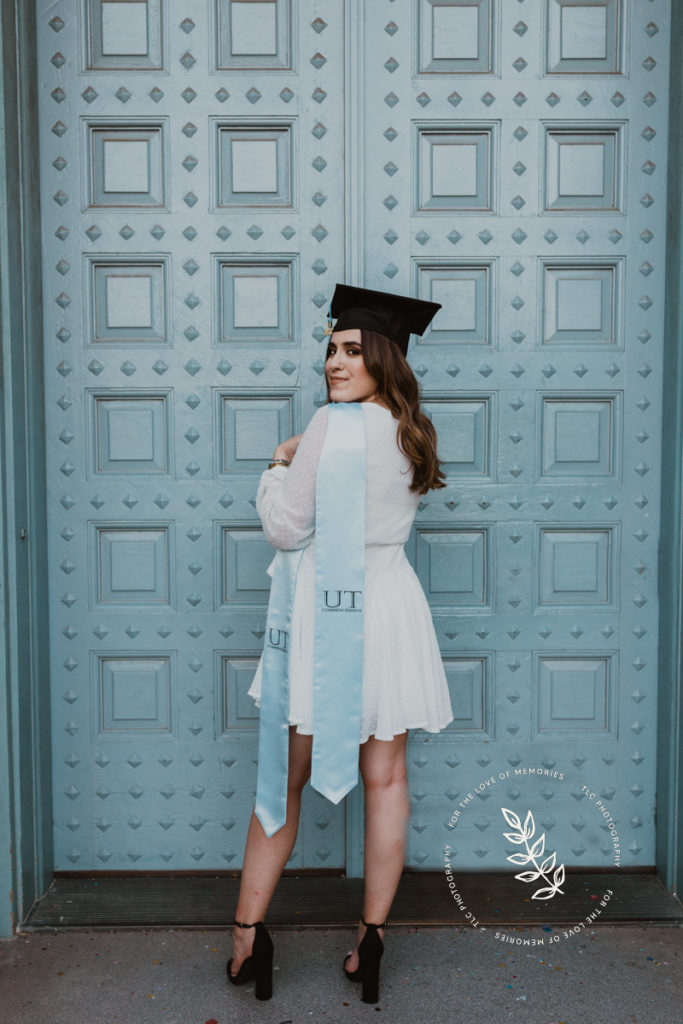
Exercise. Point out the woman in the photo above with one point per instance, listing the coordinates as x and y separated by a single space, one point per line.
404 685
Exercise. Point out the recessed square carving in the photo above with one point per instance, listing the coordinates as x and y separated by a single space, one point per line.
453 566
128 299
133 693
130 433
584 37
464 432
235 710
576 566
255 298
574 695
123 35
131 565
244 554
250 428
454 167
455 36
581 302
254 162
579 436
254 34
126 165
583 168
465 291
470 688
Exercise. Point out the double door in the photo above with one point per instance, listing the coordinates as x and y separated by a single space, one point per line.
209 172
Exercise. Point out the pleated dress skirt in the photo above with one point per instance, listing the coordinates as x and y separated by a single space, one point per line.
404 682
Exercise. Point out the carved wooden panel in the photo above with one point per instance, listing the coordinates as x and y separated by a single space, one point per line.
455 36
254 34
123 35
584 38
128 433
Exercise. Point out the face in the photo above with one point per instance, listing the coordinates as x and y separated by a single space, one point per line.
348 379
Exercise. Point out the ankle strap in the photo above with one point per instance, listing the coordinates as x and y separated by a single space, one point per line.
242 925
369 924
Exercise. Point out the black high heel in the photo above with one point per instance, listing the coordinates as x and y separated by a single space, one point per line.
369 955
259 966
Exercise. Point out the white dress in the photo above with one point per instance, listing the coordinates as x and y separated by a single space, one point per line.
404 683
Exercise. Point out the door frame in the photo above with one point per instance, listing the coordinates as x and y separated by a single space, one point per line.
25 756
669 810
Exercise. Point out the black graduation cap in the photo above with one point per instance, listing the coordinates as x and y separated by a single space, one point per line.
395 316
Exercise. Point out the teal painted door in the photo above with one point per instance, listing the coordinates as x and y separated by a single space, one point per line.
209 171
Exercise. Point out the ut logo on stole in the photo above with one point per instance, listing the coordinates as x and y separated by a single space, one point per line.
342 601
277 639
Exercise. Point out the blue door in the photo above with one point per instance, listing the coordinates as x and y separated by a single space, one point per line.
209 171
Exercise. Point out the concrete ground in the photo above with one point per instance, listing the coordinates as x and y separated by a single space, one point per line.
613 974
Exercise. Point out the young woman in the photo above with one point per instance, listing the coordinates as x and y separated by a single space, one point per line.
404 685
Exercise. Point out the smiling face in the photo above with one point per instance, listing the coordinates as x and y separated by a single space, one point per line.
347 376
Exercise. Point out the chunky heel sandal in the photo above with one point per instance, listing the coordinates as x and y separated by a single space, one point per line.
369 955
259 966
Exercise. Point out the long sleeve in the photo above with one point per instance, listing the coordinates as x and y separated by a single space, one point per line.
285 500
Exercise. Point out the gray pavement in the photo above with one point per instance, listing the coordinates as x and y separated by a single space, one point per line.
613 974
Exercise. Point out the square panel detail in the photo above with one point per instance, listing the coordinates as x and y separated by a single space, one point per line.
453 566
464 432
128 300
465 291
470 687
254 34
581 302
130 433
125 165
574 695
454 168
244 555
235 709
133 693
123 35
131 565
576 566
255 299
584 37
584 168
455 37
579 436
250 428
254 162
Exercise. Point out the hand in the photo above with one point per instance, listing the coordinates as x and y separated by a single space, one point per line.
287 449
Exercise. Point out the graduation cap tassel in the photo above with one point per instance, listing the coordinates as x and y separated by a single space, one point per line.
329 329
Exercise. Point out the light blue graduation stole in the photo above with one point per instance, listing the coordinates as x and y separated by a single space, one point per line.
338 642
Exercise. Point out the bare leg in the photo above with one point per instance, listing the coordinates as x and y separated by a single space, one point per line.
264 858
387 812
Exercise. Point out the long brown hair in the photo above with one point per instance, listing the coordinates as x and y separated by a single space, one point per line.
398 387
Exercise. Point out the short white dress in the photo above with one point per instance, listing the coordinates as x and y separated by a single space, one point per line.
404 683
